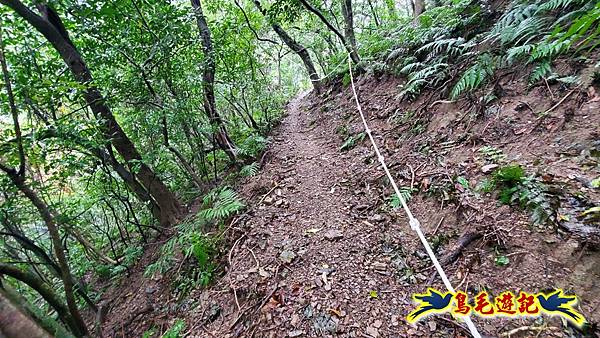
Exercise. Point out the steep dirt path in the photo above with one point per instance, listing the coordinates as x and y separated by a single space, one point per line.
317 258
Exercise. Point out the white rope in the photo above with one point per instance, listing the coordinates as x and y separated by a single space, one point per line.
414 223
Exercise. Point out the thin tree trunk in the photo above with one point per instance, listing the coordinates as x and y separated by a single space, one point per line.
299 49
208 84
46 292
353 55
89 247
53 29
15 323
349 25
373 13
29 245
418 9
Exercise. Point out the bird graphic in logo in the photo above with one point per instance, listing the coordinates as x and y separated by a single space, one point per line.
558 303
430 302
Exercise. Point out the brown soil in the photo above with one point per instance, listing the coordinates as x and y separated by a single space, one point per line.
353 261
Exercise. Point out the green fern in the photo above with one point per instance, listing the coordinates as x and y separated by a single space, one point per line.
220 204
405 192
430 75
556 4
252 145
412 67
249 170
449 46
473 77
549 49
540 71
519 52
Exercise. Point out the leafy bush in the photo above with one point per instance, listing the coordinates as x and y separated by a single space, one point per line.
192 240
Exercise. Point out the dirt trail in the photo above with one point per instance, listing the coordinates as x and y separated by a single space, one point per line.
344 256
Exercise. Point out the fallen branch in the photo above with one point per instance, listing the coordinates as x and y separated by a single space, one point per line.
461 244
268 193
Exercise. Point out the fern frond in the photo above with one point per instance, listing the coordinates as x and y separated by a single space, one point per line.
429 75
549 50
541 70
518 52
220 204
451 46
473 77
411 67
555 4
249 170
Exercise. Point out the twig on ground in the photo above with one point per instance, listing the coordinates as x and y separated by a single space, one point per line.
526 328
412 177
464 329
438 226
268 192
549 90
558 103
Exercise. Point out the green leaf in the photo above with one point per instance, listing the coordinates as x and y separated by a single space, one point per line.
463 182
501 260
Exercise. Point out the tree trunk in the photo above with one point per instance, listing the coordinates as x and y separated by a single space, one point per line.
15 323
373 13
49 219
300 50
349 25
418 9
53 29
208 84
353 55
47 293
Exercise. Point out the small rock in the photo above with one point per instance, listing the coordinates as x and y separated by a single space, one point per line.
373 332
333 235
287 256
376 218
432 326
379 266
295 320
486 169
377 324
296 333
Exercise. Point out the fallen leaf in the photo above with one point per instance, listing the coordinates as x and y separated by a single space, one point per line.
335 312
313 230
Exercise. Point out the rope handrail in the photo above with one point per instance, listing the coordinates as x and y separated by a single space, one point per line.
414 223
